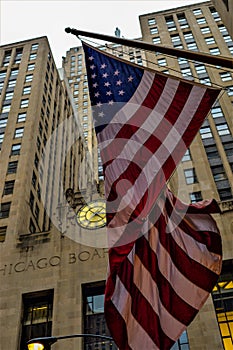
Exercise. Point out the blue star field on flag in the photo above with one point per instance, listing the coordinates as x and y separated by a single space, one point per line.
113 83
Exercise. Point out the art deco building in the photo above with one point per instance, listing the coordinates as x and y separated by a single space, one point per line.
45 256
53 255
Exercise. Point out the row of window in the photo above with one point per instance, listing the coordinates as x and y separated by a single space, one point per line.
18 55
38 313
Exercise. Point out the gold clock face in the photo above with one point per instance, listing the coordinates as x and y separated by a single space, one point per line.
92 215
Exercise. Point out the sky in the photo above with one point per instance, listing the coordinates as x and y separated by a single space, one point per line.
27 19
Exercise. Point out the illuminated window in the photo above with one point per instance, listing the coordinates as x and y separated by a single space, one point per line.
223 302
37 316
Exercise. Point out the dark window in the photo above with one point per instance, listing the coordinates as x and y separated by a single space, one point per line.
37 316
195 197
2 233
9 187
4 210
93 312
12 167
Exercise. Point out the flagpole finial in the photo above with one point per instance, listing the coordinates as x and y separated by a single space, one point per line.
68 30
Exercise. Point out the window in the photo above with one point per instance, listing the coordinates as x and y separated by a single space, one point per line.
225 193
9 187
14 72
230 90
6 108
218 173
156 40
223 129
93 315
5 210
195 197
7 58
26 90
210 40
215 51
34 46
187 156
182 20
19 132
31 66
192 46
197 12
11 83
37 316
154 30
200 69
3 122
9 96
216 112
201 20
190 176
12 167
24 103
15 149
186 72
170 23
215 14
222 295
2 134
205 30
3 230
18 56
162 62
3 75
182 343
205 132
211 152
21 117
225 76
32 56
1 86
188 36
151 21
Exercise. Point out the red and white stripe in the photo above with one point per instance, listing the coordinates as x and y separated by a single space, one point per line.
146 140
165 278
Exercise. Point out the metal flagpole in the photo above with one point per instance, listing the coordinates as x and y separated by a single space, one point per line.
226 62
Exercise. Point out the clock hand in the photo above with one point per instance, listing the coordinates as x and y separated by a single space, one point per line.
97 213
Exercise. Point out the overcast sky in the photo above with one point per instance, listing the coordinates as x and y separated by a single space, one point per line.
28 19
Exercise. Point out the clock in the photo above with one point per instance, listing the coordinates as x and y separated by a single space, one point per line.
92 215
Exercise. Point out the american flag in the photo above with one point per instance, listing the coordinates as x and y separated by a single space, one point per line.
145 121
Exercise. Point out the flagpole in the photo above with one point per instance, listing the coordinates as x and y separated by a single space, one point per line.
226 62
